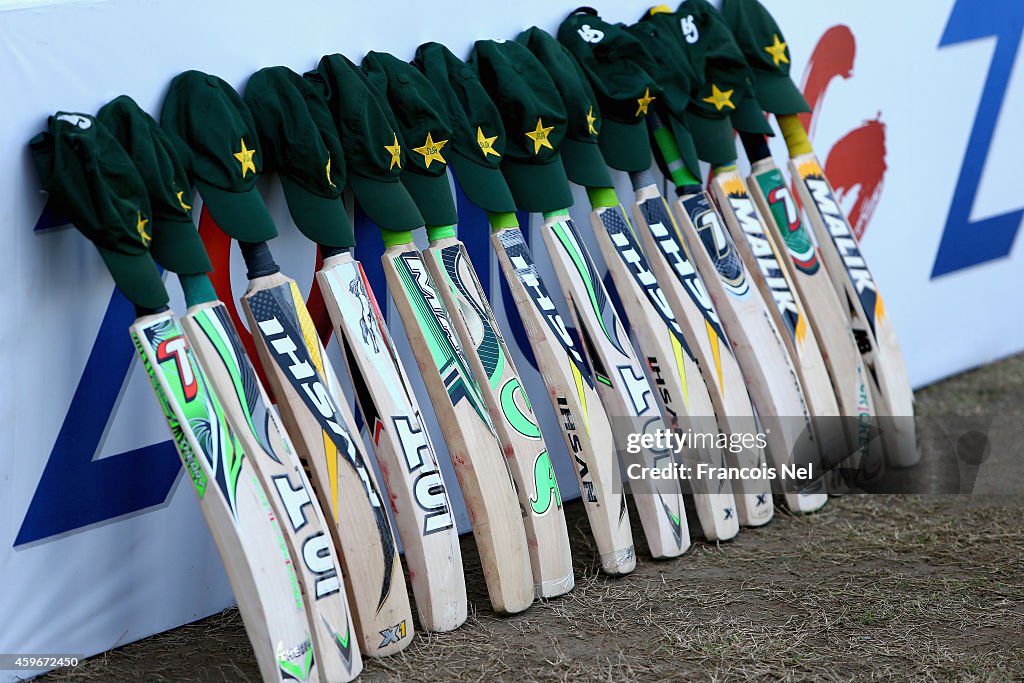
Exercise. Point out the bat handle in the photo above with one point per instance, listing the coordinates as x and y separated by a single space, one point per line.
327 252
641 179
258 259
755 145
143 310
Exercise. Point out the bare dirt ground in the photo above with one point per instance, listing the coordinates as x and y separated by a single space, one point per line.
872 587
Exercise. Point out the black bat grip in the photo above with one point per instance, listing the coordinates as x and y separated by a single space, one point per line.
756 146
258 259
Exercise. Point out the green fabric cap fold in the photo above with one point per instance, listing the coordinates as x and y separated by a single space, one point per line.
478 136
764 46
535 123
619 69
728 88
374 150
92 180
301 144
215 137
176 243
677 77
581 155
423 122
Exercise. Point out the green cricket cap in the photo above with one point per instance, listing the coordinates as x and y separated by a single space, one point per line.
535 121
581 155
176 243
300 142
91 179
705 117
678 79
215 137
764 46
618 67
423 122
727 91
373 146
478 135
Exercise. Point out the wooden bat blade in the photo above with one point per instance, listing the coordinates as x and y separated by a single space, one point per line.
670 362
233 502
689 299
511 414
321 429
486 483
234 382
771 380
419 499
827 317
582 420
627 396
762 260
876 337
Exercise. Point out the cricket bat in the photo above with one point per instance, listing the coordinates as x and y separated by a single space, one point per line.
235 505
772 382
824 311
322 427
232 379
584 424
670 360
419 500
698 319
762 259
856 287
233 501
510 410
484 477
628 396
770 376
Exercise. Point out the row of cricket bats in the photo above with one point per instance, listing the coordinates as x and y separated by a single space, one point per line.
740 322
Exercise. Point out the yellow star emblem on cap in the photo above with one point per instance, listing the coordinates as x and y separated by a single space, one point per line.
140 227
181 201
486 143
720 98
327 169
245 158
777 50
591 119
540 136
395 150
644 102
431 151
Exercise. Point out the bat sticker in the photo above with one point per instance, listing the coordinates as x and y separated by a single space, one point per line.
220 332
393 634
437 328
743 208
597 296
205 418
277 322
669 241
367 324
846 243
479 318
799 244
522 261
546 485
429 490
628 249
719 246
